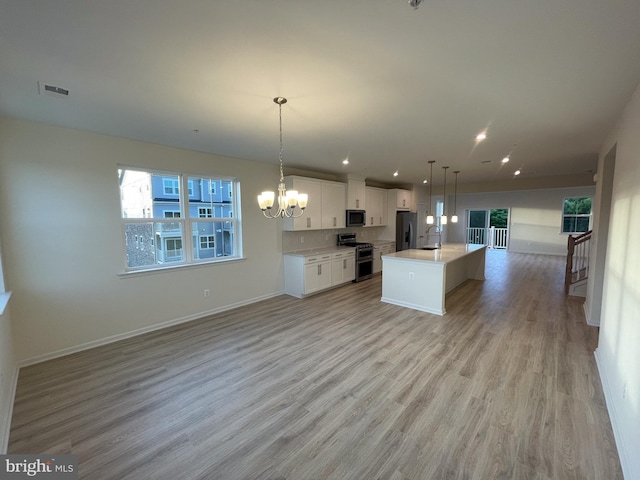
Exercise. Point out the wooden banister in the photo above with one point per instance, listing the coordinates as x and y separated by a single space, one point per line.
571 267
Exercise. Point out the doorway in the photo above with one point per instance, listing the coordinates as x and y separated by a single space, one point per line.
488 227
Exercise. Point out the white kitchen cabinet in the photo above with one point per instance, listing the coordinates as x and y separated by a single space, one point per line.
317 274
378 252
356 194
333 205
326 207
343 268
376 201
312 217
306 274
402 197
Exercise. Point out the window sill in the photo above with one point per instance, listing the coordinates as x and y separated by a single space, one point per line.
4 301
173 268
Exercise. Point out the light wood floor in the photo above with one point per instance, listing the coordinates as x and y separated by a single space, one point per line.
340 386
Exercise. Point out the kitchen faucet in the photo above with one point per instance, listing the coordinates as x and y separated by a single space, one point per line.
438 232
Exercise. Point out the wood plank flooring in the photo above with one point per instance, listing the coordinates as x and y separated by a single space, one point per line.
340 386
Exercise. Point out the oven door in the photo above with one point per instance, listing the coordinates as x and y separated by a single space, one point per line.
364 270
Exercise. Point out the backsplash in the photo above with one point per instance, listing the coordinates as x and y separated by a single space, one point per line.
291 241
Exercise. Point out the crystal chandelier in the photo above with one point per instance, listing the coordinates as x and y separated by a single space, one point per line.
287 201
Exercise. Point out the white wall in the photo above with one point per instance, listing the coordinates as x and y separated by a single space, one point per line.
8 377
535 217
8 364
61 238
618 352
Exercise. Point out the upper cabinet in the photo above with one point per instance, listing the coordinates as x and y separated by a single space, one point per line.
376 201
356 194
326 206
403 198
333 205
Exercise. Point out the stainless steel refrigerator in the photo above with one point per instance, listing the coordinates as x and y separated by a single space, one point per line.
406 230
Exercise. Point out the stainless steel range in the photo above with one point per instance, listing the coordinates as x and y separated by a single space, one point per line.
364 255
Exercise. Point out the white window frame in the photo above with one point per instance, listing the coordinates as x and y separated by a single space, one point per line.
205 212
209 240
172 185
187 223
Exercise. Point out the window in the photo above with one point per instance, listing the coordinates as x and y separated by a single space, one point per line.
205 212
207 241
576 214
156 228
170 186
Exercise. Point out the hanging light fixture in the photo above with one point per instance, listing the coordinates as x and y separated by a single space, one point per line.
430 215
443 217
454 217
287 201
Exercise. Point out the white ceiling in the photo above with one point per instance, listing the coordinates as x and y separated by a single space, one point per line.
388 86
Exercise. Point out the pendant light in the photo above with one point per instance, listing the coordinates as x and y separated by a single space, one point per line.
287 201
443 218
454 217
430 215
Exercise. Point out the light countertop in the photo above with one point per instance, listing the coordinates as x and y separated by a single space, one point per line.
445 254
319 251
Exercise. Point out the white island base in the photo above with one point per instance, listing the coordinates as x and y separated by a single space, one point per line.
420 279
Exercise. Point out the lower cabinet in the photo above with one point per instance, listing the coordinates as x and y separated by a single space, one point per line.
317 275
378 252
308 274
343 268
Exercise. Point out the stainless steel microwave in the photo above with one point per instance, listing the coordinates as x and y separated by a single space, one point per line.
356 218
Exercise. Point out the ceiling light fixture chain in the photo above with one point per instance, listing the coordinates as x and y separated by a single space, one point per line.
430 215
287 201
443 217
454 217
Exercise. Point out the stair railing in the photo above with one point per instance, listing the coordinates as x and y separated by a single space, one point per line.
577 259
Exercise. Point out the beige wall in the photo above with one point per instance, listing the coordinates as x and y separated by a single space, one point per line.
62 242
618 352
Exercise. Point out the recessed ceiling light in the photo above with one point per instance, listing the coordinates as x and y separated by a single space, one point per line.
395 174
517 172
345 161
425 181
505 159
481 136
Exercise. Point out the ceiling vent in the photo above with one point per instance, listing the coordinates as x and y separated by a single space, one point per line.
53 90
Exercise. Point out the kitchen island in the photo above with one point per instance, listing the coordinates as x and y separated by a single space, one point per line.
420 279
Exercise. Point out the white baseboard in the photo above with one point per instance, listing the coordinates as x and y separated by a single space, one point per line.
134 333
4 434
615 419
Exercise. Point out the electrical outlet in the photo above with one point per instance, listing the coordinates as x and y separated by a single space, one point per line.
301 239
410 275
207 292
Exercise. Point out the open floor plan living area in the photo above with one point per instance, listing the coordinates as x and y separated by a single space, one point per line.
284 240
340 386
